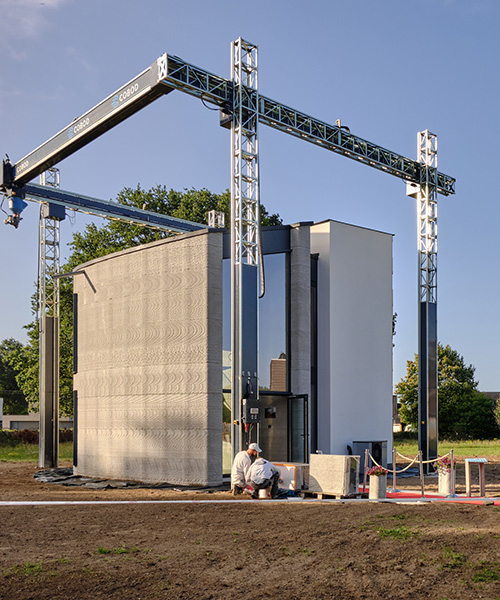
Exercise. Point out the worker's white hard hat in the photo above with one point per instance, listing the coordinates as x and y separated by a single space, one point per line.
254 447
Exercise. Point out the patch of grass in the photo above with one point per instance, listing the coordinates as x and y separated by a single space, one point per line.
119 550
486 572
461 448
287 552
370 523
398 533
28 569
29 452
452 559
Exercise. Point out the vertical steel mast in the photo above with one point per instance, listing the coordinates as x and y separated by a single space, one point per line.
427 273
48 326
244 236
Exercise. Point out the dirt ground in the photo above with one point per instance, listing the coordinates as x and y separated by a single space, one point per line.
250 549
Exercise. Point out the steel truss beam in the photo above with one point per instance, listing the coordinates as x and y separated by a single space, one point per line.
217 90
48 288
48 327
244 234
427 204
427 280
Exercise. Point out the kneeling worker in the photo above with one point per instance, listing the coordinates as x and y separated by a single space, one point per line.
241 464
263 474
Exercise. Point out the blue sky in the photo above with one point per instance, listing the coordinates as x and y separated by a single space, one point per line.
388 69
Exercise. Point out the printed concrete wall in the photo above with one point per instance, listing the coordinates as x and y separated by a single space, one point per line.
300 307
149 362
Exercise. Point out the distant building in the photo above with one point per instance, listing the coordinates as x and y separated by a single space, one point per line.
396 419
492 395
30 421
278 374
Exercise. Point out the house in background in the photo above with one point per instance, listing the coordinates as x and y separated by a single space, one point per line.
30 421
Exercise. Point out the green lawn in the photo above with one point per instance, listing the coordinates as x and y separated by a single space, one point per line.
461 449
29 452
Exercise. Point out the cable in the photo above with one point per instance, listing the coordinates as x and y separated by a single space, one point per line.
1 205
209 107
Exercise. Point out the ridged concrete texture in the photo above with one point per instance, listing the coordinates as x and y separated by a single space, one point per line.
300 307
149 355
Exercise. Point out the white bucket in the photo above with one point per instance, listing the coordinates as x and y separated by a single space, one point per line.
265 493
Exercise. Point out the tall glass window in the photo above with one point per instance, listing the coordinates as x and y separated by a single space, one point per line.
273 342
273 371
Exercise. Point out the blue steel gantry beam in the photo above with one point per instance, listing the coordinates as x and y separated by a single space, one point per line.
110 210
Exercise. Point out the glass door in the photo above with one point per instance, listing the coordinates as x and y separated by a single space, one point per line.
298 429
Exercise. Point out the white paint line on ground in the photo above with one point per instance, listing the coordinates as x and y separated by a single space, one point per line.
311 501
250 503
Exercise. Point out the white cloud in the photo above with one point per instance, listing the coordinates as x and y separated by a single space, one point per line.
24 19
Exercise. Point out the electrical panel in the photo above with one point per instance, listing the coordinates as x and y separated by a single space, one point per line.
251 411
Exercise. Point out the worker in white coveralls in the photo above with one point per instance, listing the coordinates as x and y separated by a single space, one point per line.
261 475
242 462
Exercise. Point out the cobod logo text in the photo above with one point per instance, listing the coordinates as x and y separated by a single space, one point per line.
125 95
22 167
80 126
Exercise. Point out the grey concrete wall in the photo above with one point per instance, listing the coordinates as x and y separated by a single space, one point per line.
150 362
300 307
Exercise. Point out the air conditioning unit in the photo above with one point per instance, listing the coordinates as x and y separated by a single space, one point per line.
378 449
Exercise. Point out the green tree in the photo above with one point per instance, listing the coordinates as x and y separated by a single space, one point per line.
191 205
24 360
497 410
14 402
96 241
463 411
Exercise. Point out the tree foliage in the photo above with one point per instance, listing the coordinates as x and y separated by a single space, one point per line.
463 411
96 241
191 205
14 402
497 410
